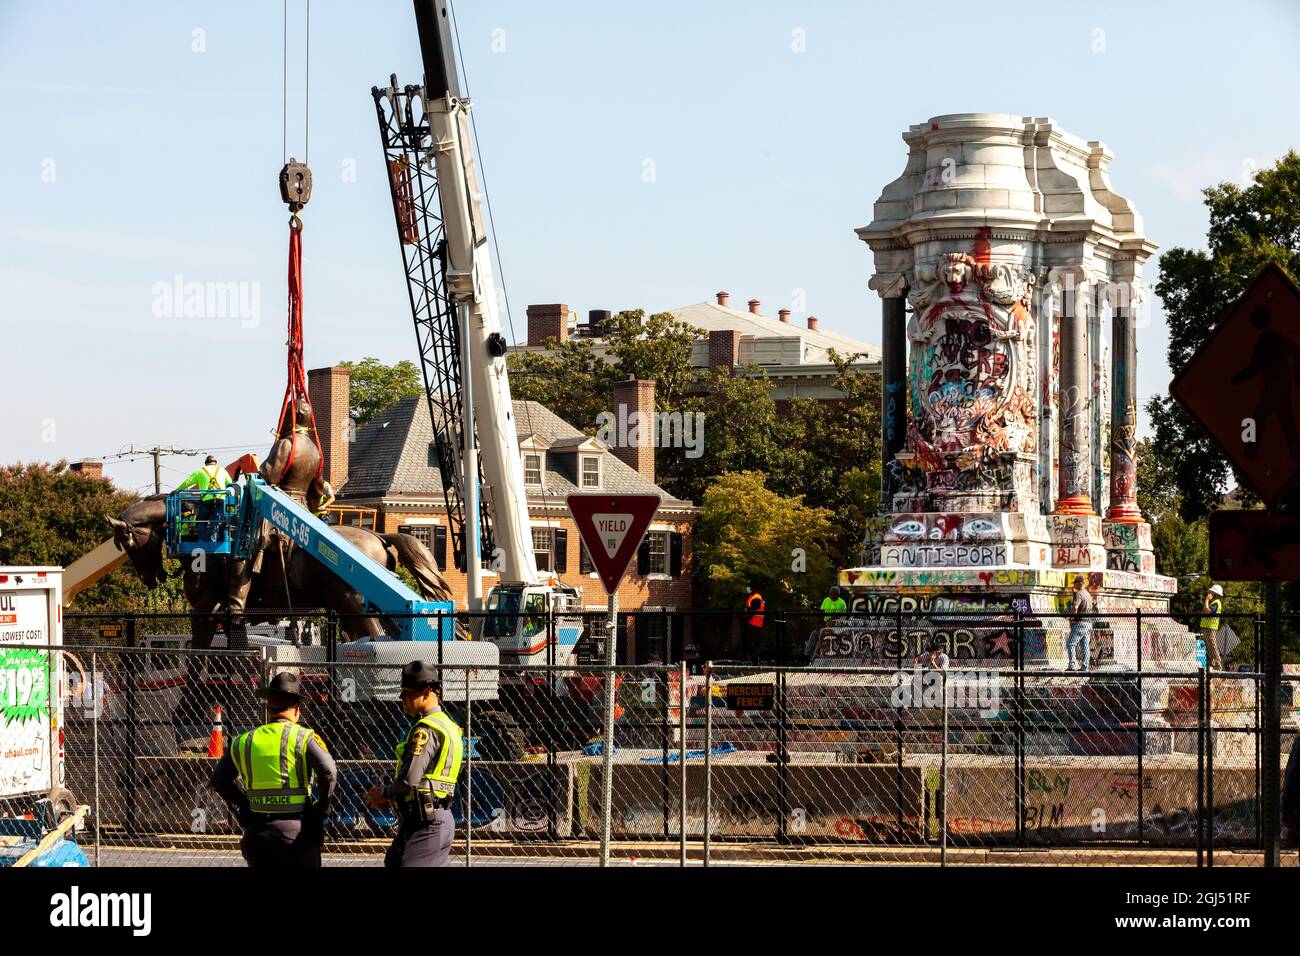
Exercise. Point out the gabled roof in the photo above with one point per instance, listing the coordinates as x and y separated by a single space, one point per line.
390 455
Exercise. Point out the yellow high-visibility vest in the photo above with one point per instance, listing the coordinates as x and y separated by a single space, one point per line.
272 763
442 773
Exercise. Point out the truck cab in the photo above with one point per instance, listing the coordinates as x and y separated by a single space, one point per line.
516 618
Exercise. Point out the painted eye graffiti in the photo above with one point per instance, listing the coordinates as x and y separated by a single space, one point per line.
980 528
912 530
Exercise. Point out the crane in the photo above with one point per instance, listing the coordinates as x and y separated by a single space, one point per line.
438 211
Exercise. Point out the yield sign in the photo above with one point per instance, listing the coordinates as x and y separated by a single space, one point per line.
1243 383
612 527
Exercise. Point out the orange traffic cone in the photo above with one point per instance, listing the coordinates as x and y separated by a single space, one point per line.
217 739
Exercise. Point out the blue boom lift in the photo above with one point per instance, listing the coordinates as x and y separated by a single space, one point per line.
226 523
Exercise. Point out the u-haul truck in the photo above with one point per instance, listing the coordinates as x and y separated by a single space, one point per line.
31 698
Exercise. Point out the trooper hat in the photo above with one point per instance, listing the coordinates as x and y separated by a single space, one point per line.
285 683
418 674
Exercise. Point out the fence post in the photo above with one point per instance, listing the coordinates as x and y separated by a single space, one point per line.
1018 705
681 760
782 762
130 725
469 772
898 726
665 795
548 719
1200 766
94 729
1209 767
1142 733
1259 730
708 753
943 779
1271 777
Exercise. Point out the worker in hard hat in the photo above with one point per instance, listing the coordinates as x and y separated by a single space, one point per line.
1211 615
265 777
212 478
326 499
424 781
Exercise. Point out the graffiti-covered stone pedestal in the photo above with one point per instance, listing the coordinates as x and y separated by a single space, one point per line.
1010 273
976 614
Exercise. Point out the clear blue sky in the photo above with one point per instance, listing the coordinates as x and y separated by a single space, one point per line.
164 162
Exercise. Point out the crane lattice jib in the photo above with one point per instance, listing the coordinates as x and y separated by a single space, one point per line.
412 180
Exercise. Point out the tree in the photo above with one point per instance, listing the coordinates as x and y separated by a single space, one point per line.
1157 484
375 386
748 534
838 464
50 515
1249 227
741 433
576 381
570 378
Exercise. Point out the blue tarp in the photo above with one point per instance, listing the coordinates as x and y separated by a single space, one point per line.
717 751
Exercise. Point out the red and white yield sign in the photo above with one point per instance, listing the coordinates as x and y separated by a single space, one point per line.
612 527
1243 383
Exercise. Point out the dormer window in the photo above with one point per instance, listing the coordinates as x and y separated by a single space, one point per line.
590 471
533 469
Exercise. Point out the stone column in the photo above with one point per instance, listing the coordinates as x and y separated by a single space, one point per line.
893 378
1123 410
1074 489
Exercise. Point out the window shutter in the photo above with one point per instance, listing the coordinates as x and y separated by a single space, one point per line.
561 561
675 554
440 546
643 557
585 565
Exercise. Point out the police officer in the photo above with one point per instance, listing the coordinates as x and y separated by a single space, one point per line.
265 778
428 763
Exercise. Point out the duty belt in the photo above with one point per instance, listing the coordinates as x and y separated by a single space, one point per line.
422 805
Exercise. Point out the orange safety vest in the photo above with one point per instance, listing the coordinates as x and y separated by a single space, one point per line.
756 618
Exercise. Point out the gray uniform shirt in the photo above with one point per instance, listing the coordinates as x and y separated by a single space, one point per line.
225 778
423 744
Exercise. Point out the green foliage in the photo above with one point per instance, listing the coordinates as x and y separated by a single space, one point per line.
742 432
571 379
748 534
1248 228
52 516
375 386
576 381
658 348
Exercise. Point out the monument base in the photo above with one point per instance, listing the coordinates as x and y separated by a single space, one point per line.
976 614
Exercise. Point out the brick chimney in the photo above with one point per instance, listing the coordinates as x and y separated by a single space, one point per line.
724 298
812 323
87 468
785 315
637 395
753 307
328 390
547 322
724 348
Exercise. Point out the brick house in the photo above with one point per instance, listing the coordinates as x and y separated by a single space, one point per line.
391 467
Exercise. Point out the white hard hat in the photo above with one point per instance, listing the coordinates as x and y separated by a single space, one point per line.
1216 589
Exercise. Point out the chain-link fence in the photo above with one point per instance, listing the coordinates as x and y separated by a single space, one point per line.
892 745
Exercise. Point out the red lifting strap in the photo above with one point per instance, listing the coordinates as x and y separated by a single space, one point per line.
297 373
